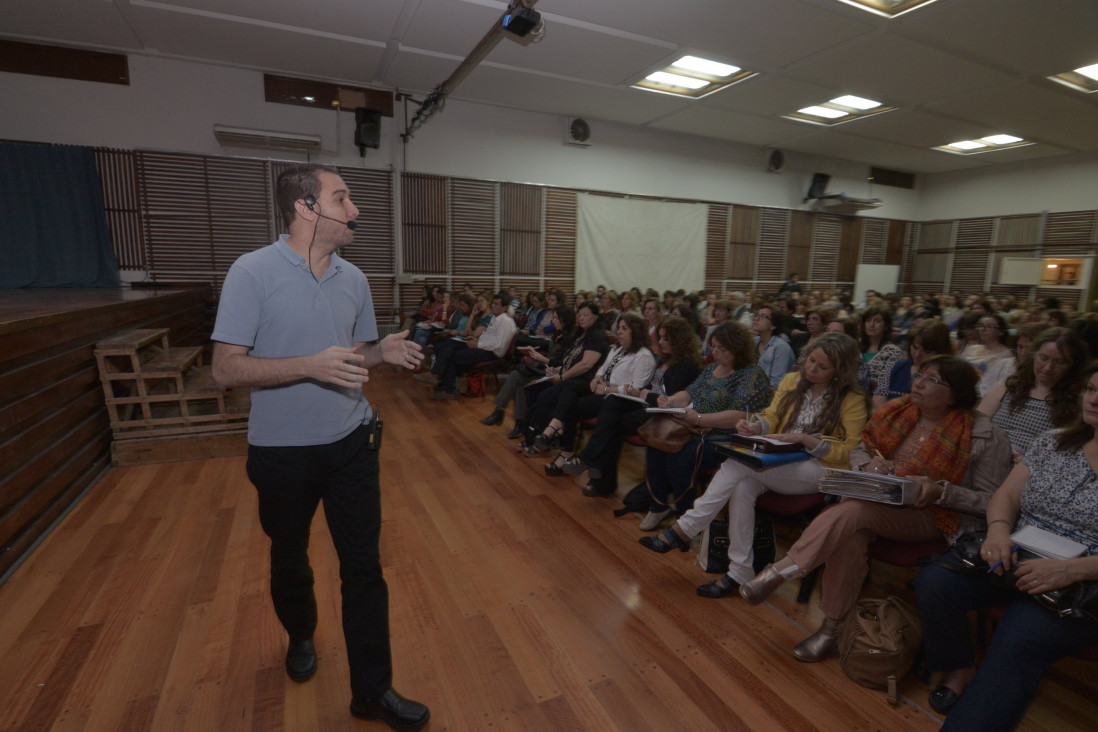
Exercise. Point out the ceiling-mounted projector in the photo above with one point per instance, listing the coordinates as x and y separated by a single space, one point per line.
521 21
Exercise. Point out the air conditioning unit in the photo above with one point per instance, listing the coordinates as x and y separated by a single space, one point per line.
841 203
267 140
578 132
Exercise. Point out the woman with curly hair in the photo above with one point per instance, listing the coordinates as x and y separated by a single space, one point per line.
716 401
820 407
680 363
1042 393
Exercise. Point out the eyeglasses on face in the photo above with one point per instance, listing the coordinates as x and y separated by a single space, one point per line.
920 376
1057 363
761 316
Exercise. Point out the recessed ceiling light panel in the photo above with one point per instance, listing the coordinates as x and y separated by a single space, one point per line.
693 77
705 66
991 143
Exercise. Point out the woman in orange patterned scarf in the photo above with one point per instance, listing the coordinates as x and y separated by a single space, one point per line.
933 434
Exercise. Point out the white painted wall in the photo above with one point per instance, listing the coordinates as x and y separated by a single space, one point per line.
173 105
1067 183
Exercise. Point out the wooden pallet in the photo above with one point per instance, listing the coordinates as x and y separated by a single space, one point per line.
154 390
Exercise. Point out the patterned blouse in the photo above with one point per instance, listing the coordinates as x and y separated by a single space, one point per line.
880 366
745 388
1023 426
1061 494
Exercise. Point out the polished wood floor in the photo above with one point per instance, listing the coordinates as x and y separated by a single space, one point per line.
517 604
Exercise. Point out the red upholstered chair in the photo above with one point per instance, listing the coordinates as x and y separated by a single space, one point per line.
904 553
497 366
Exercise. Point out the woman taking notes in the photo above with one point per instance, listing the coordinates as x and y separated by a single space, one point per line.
821 407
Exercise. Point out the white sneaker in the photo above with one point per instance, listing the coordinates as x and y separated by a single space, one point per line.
652 521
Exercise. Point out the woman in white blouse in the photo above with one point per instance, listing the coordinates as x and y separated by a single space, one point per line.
629 363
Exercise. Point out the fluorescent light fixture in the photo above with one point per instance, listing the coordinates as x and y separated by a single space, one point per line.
856 102
662 77
705 66
1091 72
990 143
1052 266
888 8
1001 139
825 112
309 99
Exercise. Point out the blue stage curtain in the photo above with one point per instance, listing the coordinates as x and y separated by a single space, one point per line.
53 228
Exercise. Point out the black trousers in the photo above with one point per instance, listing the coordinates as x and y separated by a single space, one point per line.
291 481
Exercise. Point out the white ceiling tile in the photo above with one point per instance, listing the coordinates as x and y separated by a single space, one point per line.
725 125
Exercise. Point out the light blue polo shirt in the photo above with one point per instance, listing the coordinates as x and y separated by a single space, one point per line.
271 303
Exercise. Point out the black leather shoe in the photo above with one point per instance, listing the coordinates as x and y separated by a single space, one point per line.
394 710
942 699
517 432
664 542
301 659
493 419
717 589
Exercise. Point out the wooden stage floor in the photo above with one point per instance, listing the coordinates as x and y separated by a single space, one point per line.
516 603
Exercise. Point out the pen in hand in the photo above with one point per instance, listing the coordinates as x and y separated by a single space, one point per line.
998 564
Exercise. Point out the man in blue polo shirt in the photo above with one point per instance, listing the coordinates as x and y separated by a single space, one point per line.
296 324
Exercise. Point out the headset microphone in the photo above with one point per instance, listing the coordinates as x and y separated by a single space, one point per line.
310 201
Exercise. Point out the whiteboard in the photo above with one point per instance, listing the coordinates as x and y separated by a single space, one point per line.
880 277
1020 271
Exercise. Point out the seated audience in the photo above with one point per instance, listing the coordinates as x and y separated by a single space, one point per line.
493 343
518 386
934 435
426 329
928 339
611 308
578 367
1054 488
1042 393
679 364
775 356
719 315
716 401
822 408
628 302
628 366
652 312
995 360
538 328
815 324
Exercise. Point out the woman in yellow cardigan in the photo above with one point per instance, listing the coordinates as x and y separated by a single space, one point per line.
819 406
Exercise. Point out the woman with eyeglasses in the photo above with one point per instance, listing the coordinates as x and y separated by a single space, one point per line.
929 338
1054 488
934 435
715 402
995 359
820 407
775 355
1042 393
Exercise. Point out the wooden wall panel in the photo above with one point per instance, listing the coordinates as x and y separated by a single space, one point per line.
826 239
474 230
560 240
520 217
970 254
424 231
717 253
770 267
874 243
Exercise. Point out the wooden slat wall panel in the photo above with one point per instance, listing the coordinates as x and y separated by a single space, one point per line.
177 217
932 254
970 255
770 269
1018 232
474 230
121 199
423 223
874 242
520 217
826 237
744 238
716 247
373 250
241 210
1065 296
907 269
1070 228
560 240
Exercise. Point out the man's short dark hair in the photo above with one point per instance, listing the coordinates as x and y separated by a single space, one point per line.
294 184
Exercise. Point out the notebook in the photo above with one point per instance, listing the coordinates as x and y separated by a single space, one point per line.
1047 544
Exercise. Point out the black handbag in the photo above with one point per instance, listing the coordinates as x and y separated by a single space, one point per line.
713 554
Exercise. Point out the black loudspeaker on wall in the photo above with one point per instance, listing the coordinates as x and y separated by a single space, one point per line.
367 129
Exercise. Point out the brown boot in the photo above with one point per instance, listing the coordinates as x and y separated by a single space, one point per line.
820 644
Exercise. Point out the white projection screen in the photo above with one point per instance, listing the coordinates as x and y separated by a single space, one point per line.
621 243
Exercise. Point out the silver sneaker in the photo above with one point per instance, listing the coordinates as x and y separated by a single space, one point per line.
652 521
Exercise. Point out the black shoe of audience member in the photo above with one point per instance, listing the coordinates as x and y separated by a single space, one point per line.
396 711
496 417
942 699
518 431
301 659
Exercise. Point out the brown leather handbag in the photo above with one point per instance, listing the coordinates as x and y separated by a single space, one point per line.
665 433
